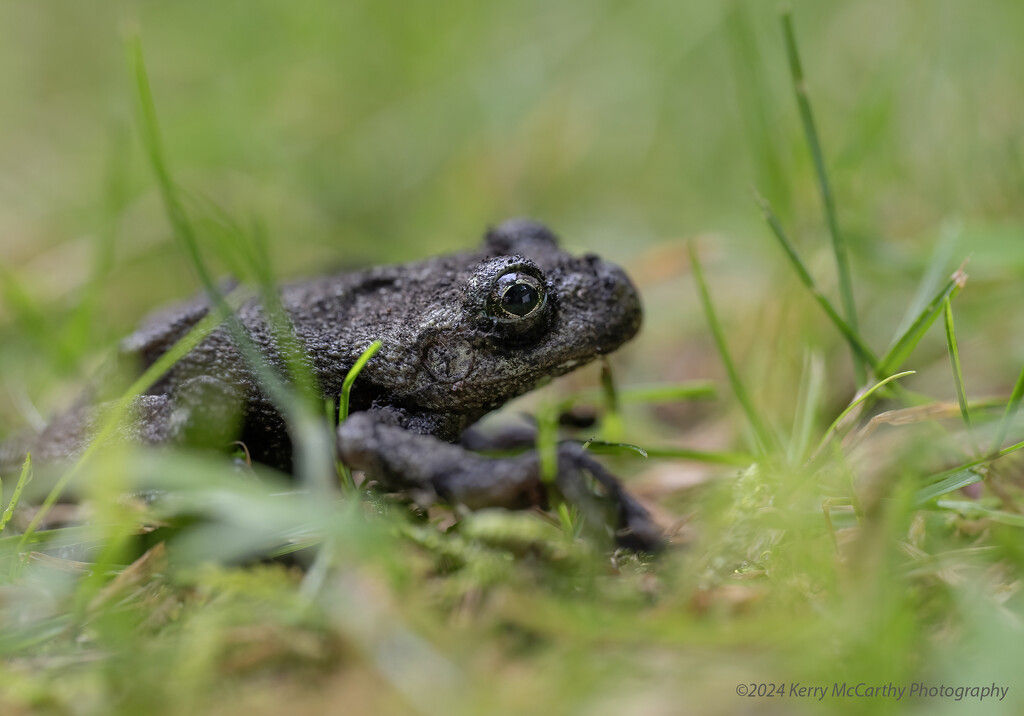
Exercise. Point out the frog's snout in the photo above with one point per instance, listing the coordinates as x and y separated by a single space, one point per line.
621 311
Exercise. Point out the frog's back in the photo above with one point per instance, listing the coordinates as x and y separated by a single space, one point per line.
165 327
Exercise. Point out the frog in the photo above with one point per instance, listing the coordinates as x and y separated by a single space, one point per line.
460 335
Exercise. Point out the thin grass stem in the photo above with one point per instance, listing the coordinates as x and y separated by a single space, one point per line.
24 479
808 405
862 353
904 345
827 200
159 367
834 427
960 476
1012 405
954 361
309 435
736 459
664 393
763 437
350 378
344 400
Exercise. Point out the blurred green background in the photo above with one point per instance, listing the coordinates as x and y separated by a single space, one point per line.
363 132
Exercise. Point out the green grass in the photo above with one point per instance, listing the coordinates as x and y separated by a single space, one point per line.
814 544
825 186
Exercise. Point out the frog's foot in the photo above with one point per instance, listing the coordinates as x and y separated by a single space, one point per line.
375 442
636 530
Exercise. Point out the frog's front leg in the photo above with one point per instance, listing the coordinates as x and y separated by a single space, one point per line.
375 442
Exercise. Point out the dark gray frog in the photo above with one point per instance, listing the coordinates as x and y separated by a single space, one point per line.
461 335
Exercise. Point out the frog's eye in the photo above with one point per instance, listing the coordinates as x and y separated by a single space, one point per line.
516 296
510 300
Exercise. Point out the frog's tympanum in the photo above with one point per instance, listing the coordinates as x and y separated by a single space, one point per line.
462 334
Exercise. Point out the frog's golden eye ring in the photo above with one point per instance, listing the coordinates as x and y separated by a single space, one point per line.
510 300
517 296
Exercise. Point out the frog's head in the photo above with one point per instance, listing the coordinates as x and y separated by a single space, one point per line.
527 311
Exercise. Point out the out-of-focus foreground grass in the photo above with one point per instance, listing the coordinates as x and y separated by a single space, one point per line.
363 132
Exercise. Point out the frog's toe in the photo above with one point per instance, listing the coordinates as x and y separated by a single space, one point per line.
640 533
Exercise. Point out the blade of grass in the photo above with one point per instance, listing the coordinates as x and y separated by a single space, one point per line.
547 442
957 477
834 427
808 405
183 228
68 536
1012 405
159 367
343 402
22 638
603 447
935 273
317 573
954 481
764 439
862 353
973 509
117 525
846 474
667 393
608 390
315 441
313 446
24 479
612 427
693 390
149 128
350 378
547 456
565 519
814 144
719 458
247 252
904 345
954 361
754 97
